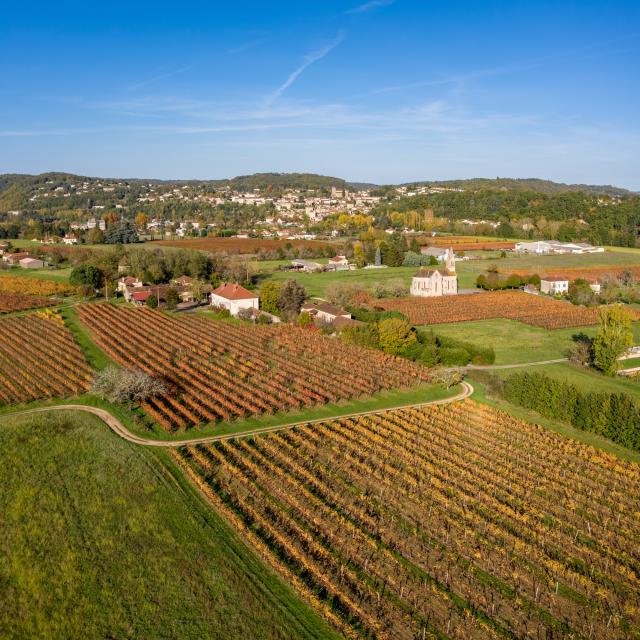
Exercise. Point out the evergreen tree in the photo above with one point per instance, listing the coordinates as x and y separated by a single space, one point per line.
123 232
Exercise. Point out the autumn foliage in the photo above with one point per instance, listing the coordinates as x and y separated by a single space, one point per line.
455 521
39 359
221 371
537 311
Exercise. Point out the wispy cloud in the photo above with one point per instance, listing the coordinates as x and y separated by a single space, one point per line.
308 60
245 46
161 76
369 6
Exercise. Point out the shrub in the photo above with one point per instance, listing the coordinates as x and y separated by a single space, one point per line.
429 355
362 336
454 356
130 386
396 336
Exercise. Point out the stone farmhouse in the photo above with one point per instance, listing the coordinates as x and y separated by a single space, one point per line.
430 283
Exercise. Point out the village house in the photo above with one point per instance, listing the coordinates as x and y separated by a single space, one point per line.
430 283
437 252
70 238
13 258
233 297
140 294
595 286
3 248
338 263
32 263
184 281
306 265
324 312
128 282
554 286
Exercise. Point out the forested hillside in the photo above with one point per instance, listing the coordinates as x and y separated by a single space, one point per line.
578 215
523 184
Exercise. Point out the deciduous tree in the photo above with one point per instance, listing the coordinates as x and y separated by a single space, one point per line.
614 337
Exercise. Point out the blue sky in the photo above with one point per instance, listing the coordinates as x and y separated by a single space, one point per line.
382 91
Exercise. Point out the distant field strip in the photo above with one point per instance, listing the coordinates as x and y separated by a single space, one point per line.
454 521
537 311
33 286
240 245
573 273
39 359
10 302
221 371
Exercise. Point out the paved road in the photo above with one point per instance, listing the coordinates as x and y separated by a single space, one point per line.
117 427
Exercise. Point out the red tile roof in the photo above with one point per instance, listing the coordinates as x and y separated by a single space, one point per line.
233 292
140 296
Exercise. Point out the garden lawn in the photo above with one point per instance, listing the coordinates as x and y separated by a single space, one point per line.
100 538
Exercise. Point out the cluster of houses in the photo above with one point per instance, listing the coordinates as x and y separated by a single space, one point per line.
240 302
135 291
22 259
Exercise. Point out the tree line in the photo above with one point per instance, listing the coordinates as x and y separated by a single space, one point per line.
615 416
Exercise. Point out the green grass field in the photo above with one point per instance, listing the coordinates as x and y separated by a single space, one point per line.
61 275
316 283
103 539
515 342
585 379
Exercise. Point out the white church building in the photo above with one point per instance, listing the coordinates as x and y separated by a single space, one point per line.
430 283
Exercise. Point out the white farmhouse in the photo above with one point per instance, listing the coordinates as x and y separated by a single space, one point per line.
430 283
545 247
554 286
234 298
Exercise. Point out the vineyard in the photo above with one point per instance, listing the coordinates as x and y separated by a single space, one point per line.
10 302
34 286
39 359
456 521
221 371
536 311
573 273
241 245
